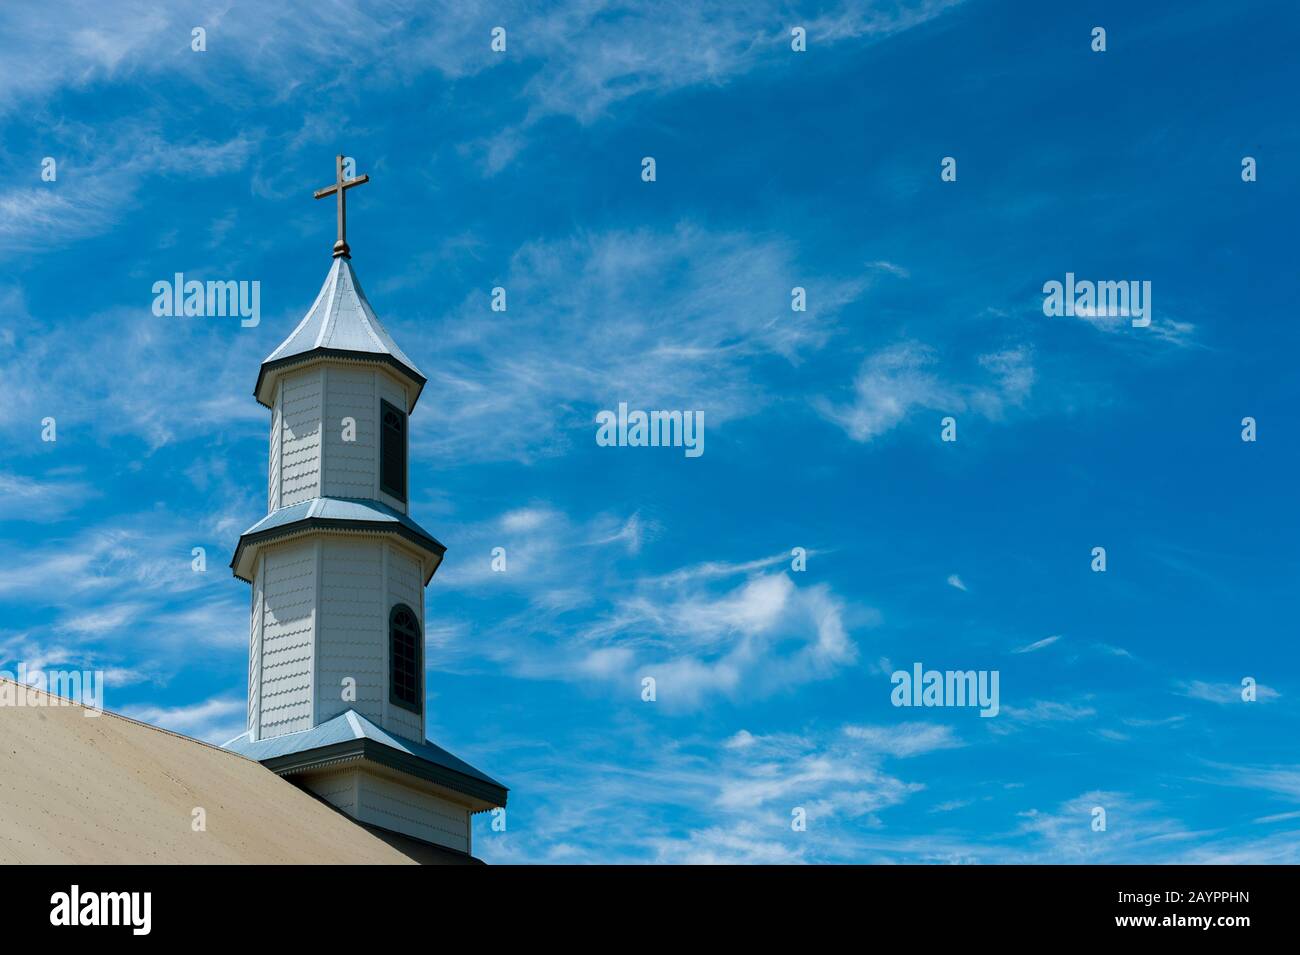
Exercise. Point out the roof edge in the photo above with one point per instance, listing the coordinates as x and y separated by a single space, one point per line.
381 754
339 354
430 544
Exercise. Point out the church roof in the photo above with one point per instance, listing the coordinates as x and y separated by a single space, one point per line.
336 513
340 324
82 789
329 740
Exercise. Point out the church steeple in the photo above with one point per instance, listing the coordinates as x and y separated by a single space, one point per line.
338 570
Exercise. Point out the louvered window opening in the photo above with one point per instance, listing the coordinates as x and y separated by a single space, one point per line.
392 451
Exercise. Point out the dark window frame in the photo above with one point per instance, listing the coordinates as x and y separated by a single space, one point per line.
405 689
385 436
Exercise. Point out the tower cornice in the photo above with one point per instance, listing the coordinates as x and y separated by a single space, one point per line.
339 515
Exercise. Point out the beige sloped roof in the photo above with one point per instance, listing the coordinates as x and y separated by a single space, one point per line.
106 789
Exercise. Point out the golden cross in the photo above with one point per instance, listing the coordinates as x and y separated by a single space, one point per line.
340 186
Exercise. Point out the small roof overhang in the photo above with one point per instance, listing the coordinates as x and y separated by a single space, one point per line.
269 373
350 737
345 515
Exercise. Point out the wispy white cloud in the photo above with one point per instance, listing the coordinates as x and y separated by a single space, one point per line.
660 319
903 378
673 319
100 172
763 782
577 58
905 739
1280 780
1037 644
625 51
1278 817
715 570
1134 829
543 549
743 843
1224 693
101 620
951 805
739 796
761 636
1163 328
889 386
955 581
122 598
1280 848
137 556
23 649
25 498
214 720
732 629
1141 723
152 403
1039 712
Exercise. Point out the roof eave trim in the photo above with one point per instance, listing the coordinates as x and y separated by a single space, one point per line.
342 354
429 544
368 749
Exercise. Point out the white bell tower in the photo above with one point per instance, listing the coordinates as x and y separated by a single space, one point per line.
336 695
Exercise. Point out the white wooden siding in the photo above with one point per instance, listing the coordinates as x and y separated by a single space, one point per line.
255 652
337 789
352 627
288 621
300 441
349 469
384 802
273 468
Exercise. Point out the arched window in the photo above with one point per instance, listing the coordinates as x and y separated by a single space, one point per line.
405 649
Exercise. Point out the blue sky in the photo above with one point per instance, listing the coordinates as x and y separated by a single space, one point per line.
775 169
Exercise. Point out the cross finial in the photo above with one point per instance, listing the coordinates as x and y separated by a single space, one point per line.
340 186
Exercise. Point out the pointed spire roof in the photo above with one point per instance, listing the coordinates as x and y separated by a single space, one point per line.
340 324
